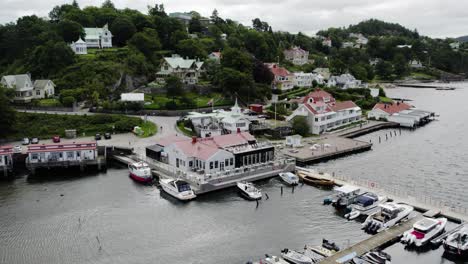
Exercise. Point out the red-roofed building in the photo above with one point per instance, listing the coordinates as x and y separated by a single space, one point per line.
284 80
65 152
324 113
384 111
6 159
215 154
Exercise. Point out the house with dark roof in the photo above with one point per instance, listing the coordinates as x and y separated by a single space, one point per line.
324 113
296 55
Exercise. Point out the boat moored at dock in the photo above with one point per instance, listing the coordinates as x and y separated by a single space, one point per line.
289 177
249 191
423 231
311 178
389 215
456 244
178 189
295 257
365 204
140 172
344 196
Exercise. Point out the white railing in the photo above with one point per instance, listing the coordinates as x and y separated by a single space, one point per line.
405 195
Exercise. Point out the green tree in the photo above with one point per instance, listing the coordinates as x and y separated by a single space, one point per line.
173 86
70 30
108 4
384 70
147 42
123 29
237 59
235 82
195 25
7 114
49 59
191 48
400 65
68 101
58 12
359 72
300 125
261 73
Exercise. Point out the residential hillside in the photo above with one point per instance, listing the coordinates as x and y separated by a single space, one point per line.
94 54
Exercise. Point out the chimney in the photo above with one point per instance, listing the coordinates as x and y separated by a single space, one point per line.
194 140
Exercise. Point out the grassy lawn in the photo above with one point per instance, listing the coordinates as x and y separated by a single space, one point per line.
158 101
149 129
184 130
49 102
385 99
421 76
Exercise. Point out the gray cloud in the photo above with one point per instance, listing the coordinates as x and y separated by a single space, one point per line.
436 18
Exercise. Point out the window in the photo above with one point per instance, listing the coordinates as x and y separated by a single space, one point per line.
231 161
33 156
226 162
177 162
78 154
190 164
38 92
216 164
211 165
69 155
316 119
61 155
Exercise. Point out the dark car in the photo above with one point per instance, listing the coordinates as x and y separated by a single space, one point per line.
35 141
107 136
97 137
56 139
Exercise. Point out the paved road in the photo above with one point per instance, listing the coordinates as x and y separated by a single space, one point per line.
166 126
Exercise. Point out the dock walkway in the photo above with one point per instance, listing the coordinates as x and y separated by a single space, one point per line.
373 242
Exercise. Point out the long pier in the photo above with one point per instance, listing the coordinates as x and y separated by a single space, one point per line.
375 241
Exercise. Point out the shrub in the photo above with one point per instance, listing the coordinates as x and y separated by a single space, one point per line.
68 101
171 105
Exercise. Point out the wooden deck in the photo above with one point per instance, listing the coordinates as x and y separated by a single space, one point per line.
373 242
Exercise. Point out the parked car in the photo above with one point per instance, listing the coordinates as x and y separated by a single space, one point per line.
107 136
35 141
26 141
56 139
97 137
17 149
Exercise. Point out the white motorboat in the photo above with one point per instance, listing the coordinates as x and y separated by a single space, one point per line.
295 257
318 253
248 190
345 196
270 260
289 178
177 188
365 204
389 215
377 257
457 243
140 172
423 231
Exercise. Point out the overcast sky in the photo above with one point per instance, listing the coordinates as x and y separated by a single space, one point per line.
435 18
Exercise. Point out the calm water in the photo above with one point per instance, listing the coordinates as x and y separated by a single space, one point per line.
107 218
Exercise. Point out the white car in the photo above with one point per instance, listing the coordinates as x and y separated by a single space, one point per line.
17 149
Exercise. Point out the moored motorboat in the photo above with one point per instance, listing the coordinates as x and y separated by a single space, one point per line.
249 191
377 257
177 188
423 231
289 177
269 260
318 253
311 178
456 244
140 172
365 204
295 257
344 196
389 215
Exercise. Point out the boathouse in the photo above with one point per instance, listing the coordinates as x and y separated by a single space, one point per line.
80 154
6 159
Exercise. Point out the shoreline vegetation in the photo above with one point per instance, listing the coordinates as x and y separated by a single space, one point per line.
44 126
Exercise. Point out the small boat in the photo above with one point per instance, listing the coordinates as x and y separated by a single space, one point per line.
377 257
423 231
456 244
345 196
140 172
318 253
177 188
365 204
312 179
269 260
389 215
295 257
289 178
249 191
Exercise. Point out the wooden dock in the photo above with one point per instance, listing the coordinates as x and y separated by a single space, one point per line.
356 132
376 241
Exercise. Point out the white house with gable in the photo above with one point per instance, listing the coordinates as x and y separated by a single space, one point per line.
43 89
296 55
98 37
324 113
79 47
23 86
188 70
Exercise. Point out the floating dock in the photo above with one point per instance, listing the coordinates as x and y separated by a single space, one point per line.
325 148
383 238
